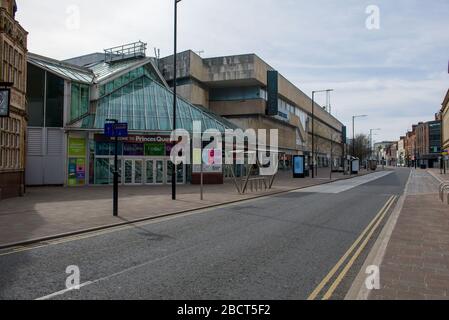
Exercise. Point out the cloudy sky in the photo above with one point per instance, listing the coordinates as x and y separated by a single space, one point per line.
397 74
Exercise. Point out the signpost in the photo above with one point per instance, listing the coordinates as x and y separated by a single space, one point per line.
114 129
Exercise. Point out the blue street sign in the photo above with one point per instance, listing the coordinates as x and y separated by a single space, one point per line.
113 130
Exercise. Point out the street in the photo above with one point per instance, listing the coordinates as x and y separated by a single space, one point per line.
278 247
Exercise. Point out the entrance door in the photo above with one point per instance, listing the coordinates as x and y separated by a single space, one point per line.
155 171
180 172
133 171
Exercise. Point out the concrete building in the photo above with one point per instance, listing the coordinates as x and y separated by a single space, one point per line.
13 71
70 102
444 115
237 88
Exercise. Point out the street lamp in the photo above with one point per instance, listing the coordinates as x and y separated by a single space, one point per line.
371 141
173 179
313 128
353 131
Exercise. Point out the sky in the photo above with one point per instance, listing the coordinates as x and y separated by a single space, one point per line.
389 63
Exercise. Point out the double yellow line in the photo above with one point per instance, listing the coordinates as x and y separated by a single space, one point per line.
363 240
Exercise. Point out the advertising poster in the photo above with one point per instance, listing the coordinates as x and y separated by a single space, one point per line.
77 147
155 149
212 161
72 172
77 162
299 165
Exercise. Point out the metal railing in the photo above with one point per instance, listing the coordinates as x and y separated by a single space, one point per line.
127 51
443 188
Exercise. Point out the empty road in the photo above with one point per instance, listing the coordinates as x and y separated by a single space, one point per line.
279 247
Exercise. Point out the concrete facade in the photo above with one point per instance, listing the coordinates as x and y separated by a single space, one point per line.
236 87
13 49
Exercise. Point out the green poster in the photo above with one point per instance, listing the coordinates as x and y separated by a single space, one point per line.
154 149
77 147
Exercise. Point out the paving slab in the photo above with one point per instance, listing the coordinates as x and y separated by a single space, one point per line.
416 261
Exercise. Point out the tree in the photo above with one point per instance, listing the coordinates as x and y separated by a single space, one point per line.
361 146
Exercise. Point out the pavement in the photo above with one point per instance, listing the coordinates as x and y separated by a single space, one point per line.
284 246
47 212
414 260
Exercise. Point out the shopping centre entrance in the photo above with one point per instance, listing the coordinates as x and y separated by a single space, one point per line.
138 171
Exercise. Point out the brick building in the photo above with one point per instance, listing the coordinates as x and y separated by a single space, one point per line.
13 49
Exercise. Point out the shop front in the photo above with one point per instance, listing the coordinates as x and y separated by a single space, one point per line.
143 160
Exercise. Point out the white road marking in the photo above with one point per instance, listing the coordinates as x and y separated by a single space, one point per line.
345 185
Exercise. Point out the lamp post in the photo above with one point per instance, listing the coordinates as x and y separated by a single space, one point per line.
353 131
175 70
371 141
313 128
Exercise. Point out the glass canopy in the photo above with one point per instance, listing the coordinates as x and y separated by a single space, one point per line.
147 105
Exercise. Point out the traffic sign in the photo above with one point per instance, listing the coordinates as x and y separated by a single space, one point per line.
116 130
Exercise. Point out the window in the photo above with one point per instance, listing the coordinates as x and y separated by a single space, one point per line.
125 79
35 96
55 101
10 143
80 100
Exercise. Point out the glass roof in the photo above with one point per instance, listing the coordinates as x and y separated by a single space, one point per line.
103 70
63 70
148 106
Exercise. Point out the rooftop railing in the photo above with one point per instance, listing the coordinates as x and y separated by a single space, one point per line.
124 52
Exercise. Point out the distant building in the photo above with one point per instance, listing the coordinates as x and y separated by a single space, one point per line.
423 144
237 88
401 153
382 152
13 48
445 127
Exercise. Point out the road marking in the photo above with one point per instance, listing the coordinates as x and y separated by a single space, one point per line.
334 270
144 264
344 185
356 255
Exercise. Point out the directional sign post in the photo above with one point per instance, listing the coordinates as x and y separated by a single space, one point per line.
115 130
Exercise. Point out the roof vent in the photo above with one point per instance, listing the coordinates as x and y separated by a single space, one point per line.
125 52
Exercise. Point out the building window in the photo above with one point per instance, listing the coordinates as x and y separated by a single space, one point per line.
79 101
54 109
35 96
9 144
